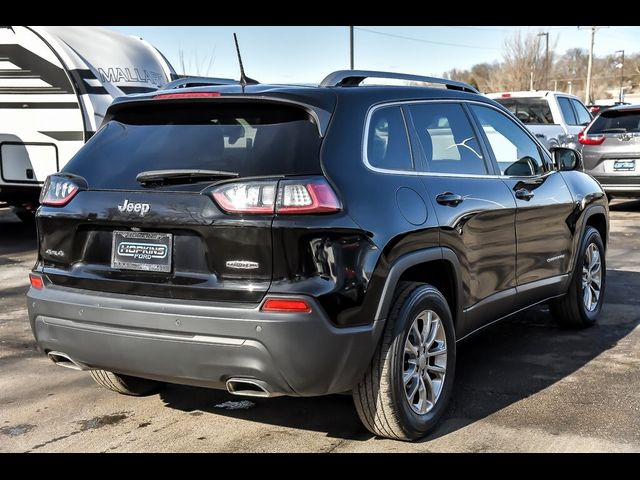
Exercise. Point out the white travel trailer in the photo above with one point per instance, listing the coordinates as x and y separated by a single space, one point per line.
55 86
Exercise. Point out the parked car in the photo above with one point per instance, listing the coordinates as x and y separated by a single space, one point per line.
288 240
611 150
595 109
555 118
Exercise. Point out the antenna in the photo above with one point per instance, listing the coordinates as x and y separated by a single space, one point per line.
244 80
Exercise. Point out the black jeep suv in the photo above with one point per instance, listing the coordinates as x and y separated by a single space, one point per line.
290 240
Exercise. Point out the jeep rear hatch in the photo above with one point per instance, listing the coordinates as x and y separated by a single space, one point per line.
158 213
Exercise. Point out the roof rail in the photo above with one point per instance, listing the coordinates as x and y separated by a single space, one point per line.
188 82
351 78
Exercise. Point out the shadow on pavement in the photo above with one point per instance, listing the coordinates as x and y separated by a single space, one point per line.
15 236
625 205
496 368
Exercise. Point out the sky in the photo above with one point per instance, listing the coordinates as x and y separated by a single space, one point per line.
308 54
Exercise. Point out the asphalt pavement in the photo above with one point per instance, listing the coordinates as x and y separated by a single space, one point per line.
522 385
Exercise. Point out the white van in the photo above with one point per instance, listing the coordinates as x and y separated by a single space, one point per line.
55 86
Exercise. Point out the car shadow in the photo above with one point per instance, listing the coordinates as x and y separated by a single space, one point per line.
624 205
15 236
496 368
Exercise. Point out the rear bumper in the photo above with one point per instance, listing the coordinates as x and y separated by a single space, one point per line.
201 343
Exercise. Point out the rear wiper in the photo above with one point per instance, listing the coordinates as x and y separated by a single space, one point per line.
613 130
163 177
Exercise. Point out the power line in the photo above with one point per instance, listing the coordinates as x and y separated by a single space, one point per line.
422 40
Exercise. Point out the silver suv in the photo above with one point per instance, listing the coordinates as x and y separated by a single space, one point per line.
611 150
555 118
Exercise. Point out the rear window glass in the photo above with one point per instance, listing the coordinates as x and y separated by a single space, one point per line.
612 121
249 139
528 110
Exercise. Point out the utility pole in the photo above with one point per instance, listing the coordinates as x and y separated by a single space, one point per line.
531 79
546 58
621 66
587 94
351 47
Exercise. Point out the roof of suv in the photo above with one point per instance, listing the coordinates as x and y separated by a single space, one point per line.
325 94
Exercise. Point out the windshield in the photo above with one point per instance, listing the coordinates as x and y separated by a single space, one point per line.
528 110
247 139
617 121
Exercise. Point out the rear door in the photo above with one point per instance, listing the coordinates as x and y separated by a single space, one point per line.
475 210
544 204
101 239
576 118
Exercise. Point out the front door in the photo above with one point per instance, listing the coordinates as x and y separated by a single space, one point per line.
544 205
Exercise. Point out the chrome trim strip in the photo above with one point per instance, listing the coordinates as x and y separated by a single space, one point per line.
400 103
172 337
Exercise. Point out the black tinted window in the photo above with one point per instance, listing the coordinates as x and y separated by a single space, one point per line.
528 110
567 111
517 154
447 139
249 139
584 117
616 121
388 145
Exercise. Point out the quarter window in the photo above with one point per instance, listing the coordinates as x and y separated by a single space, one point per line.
516 153
388 144
584 117
447 140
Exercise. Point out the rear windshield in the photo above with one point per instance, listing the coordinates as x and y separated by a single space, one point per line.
249 139
617 121
528 110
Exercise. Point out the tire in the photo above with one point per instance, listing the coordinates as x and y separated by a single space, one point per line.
381 398
572 310
124 384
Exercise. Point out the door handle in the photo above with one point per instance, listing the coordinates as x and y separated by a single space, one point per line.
449 199
524 194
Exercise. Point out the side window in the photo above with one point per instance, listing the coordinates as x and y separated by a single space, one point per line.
387 143
447 139
584 118
516 153
567 111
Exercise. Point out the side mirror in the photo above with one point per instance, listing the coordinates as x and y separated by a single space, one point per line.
566 158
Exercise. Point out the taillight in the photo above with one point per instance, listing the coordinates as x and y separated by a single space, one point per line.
590 139
246 197
506 95
286 197
168 96
286 305
36 281
58 190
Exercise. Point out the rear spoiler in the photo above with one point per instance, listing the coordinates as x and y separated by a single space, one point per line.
320 116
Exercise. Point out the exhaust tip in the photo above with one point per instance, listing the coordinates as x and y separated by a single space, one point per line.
248 387
64 360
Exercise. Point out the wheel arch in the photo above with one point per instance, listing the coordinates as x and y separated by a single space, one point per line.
438 266
596 217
